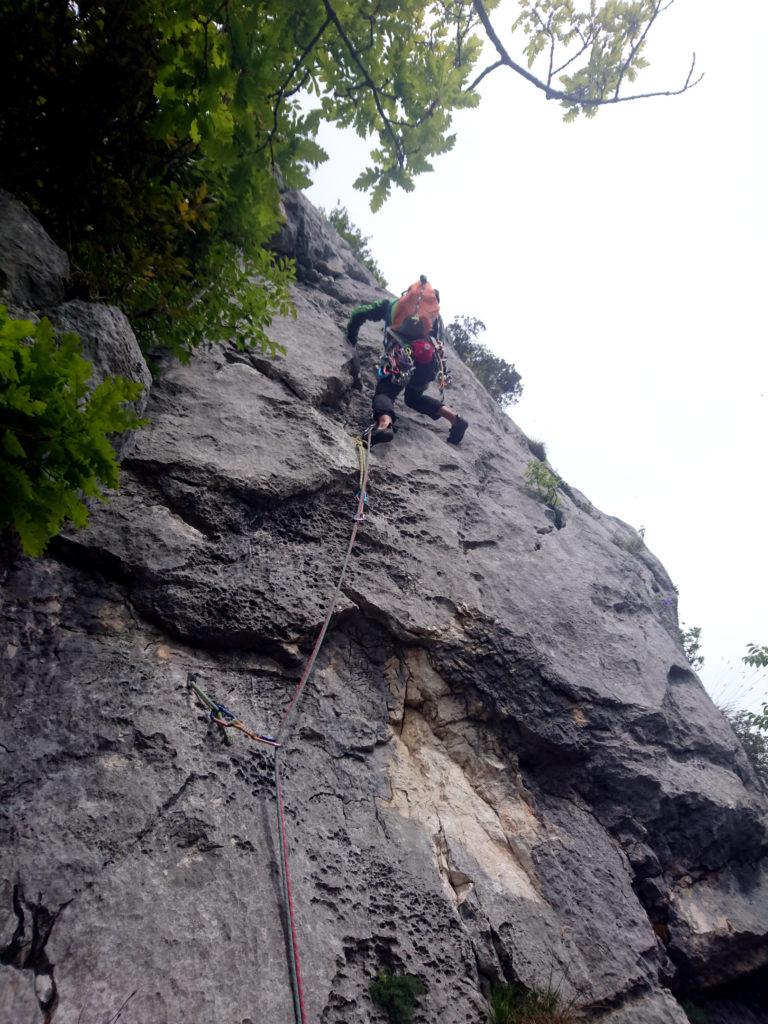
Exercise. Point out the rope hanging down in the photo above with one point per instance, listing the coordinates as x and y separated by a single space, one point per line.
226 719
363 453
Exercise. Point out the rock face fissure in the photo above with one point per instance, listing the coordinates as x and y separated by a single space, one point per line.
503 769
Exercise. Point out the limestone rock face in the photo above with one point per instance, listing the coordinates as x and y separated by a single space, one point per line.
33 269
503 768
34 277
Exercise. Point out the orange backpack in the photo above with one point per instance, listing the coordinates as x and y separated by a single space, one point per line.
416 310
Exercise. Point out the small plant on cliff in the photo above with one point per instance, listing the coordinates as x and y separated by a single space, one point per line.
54 433
499 378
694 1013
690 638
515 1004
544 481
397 994
536 448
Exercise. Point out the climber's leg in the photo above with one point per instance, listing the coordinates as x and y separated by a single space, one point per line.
416 399
384 410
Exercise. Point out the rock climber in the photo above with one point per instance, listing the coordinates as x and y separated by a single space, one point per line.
413 358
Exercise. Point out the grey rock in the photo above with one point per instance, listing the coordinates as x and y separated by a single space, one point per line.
18 1003
503 768
33 269
323 258
658 1008
110 345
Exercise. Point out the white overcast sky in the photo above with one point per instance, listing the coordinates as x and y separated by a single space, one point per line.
620 264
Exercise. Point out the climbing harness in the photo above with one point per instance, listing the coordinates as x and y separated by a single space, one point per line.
225 719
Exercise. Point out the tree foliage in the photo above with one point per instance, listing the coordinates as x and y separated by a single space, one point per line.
690 638
757 657
149 137
54 431
499 378
358 242
752 737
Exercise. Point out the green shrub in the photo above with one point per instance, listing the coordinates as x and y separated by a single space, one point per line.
499 378
537 448
515 1004
54 444
545 482
397 995
753 739
694 1013
690 638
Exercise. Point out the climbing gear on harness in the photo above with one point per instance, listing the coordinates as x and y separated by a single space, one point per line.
225 719
397 362
444 378
457 431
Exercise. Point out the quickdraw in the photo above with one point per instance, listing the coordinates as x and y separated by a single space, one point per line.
444 378
220 715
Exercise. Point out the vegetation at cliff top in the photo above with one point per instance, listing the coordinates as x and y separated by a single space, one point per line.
750 729
499 378
757 657
54 443
753 738
515 1004
397 995
150 138
358 242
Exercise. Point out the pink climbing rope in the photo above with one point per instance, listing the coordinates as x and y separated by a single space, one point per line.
293 947
310 663
293 944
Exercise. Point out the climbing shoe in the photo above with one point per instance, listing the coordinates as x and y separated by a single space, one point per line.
457 431
382 434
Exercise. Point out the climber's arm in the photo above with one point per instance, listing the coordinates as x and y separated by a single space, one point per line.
373 311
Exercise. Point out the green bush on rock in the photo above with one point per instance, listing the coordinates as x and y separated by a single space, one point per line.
54 444
546 483
515 1004
397 995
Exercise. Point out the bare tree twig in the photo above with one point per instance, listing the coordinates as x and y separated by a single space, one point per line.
481 76
571 97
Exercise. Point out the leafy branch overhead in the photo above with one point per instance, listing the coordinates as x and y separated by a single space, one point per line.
150 138
54 430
